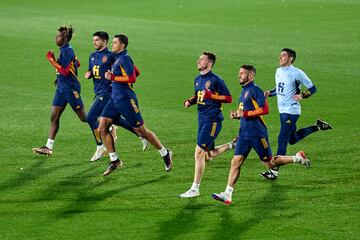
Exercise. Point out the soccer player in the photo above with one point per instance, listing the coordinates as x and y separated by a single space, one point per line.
124 102
288 81
252 133
67 86
100 62
210 93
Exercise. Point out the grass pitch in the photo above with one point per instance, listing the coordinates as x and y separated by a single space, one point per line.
66 197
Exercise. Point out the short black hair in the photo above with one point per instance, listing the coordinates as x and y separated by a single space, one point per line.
123 39
250 68
211 56
67 31
102 35
290 52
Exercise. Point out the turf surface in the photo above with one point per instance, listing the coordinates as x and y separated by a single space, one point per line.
65 196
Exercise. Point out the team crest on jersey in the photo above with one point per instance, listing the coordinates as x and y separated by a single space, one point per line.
208 84
246 94
92 59
104 59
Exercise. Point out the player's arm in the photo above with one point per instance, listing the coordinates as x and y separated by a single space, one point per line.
190 101
305 80
137 71
217 97
222 95
63 70
88 73
262 110
270 93
260 104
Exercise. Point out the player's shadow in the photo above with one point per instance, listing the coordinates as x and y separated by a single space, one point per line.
184 222
29 174
87 197
263 209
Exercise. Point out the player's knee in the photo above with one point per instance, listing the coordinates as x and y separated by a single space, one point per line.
237 161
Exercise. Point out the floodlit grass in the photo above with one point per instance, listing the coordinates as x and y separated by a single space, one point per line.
66 197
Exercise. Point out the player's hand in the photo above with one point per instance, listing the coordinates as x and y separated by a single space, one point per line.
88 74
267 93
233 115
187 104
109 75
297 97
50 55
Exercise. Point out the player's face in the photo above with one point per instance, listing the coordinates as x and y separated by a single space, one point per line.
60 39
117 46
245 76
99 43
203 63
284 59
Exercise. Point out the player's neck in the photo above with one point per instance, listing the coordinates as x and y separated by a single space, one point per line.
205 71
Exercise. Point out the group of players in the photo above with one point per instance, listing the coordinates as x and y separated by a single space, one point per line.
114 74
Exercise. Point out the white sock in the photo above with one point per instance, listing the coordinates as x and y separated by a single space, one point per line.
99 146
195 186
229 190
50 143
230 144
163 152
296 159
113 156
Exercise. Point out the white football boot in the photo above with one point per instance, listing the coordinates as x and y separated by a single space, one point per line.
100 152
190 194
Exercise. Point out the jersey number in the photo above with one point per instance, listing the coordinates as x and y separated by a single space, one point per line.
200 98
96 71
280 88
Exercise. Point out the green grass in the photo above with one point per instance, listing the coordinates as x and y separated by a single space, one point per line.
65 196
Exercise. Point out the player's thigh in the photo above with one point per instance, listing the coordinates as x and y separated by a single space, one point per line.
207 133
75 101
96 108
242 147
59 99
262 147
129 109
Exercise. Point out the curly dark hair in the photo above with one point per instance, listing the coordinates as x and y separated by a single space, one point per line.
67 31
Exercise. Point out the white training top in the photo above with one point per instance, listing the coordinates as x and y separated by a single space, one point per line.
288 80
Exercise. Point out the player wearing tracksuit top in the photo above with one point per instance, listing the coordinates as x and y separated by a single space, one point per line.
67 86
100 62
288 80
210 93
124 103
252 133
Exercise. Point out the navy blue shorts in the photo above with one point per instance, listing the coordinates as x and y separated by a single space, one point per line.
260 145
207 133
63 98
96 110
128 108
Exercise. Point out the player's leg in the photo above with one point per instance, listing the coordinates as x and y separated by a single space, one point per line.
242 150
199 157
92 119
121 121
152 138
287 128
130 110
109 113
58 106
304 132
300 158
